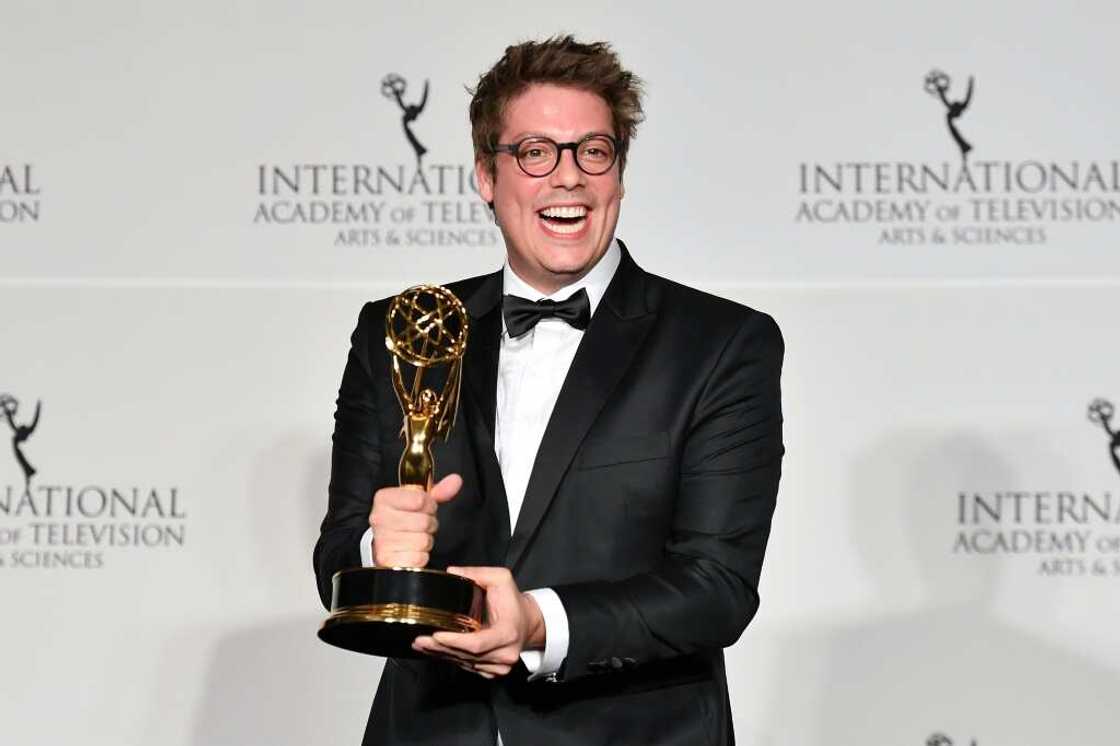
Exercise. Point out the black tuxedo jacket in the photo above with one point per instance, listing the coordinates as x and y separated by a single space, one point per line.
648 511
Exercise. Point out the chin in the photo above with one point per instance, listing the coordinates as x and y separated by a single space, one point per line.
572 262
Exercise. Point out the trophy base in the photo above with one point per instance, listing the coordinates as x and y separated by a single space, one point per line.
381 610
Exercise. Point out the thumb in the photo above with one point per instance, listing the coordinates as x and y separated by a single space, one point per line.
485 576
446 488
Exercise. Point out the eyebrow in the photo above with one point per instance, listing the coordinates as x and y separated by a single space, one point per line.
526 135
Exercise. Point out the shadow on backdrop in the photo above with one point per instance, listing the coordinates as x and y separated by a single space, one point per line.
274 682
948 665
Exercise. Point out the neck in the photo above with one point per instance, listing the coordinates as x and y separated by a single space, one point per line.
550 283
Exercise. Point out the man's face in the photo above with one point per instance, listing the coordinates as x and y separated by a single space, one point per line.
546 246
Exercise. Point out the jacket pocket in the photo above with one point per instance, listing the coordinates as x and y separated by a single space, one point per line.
609 451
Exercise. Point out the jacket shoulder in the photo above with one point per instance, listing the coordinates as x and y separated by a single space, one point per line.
696 309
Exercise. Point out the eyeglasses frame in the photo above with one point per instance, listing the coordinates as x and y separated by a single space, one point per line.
512 149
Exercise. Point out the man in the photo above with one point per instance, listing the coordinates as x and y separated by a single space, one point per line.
618 453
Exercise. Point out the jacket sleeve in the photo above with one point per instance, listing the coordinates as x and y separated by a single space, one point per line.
355 461
705 591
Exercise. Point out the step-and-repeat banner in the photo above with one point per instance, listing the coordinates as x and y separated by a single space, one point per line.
196 200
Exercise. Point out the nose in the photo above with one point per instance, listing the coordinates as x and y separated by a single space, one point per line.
567 174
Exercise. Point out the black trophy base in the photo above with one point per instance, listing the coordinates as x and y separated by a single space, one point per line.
381 610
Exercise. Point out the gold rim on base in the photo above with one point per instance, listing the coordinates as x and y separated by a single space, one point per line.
403 614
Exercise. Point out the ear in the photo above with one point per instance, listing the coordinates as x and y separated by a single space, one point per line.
485 181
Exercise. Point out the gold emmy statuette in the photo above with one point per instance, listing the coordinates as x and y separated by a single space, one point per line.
381 610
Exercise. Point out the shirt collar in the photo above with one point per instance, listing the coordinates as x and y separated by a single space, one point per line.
594 282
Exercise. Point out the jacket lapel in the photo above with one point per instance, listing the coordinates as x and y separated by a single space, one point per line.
480 369
620 324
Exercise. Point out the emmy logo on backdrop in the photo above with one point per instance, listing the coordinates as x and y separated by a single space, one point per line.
1101 412
937 84
381 610
393 86
940 739
20 433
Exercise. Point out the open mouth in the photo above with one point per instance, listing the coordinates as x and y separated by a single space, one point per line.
564 220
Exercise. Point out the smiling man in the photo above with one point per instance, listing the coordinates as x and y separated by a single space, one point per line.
614 472
557 213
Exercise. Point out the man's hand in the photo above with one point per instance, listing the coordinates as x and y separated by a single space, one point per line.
513 623
404 522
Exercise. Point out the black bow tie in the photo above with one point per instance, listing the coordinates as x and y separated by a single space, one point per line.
522 314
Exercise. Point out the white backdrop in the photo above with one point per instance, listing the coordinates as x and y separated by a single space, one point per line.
179 343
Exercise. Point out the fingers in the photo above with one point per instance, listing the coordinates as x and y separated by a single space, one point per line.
469 668
491 671
474 644
404 522
495 649
473 647
402 539
494 663
486 670
428 644
403 550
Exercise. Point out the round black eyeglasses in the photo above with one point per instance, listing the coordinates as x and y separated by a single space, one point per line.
539 156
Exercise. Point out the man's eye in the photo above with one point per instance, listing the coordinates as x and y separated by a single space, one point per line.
535 153
596 151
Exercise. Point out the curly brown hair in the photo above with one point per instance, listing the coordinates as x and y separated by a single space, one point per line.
560 60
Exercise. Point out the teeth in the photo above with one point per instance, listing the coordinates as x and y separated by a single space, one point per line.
572 211
565 227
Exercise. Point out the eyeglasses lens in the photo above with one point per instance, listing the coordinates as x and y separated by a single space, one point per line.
537 157
595 155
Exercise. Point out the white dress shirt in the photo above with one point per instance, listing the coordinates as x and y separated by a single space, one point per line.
531 370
